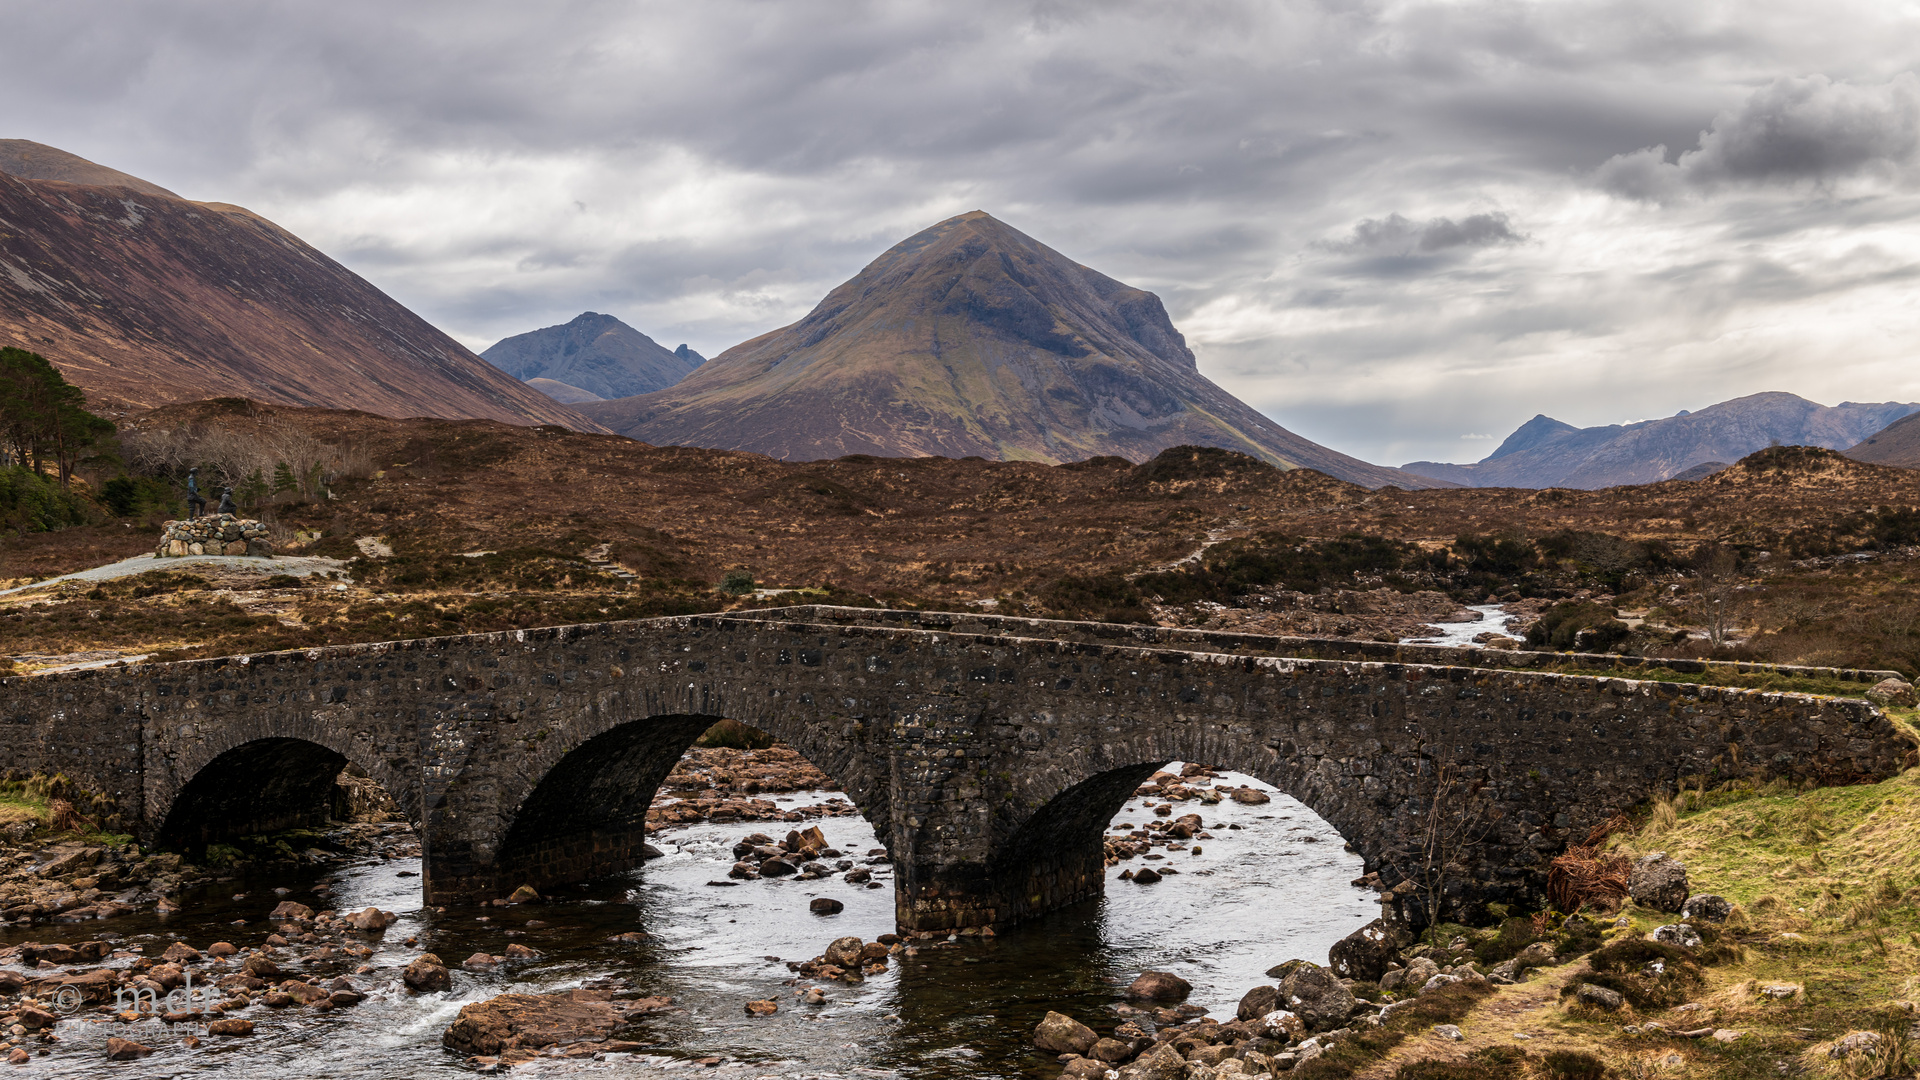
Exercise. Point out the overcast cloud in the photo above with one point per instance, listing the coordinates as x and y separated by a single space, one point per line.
1395 227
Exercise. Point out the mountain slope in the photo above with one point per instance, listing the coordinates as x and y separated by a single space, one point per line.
1896 444
143 298
970 338
1547 453
596 353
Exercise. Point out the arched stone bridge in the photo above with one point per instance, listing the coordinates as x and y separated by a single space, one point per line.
989 753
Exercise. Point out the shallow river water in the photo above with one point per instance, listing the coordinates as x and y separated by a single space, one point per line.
1276 888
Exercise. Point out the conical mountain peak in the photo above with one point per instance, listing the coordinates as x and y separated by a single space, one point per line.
970 338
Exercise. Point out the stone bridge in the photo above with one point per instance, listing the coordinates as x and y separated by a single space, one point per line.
988 753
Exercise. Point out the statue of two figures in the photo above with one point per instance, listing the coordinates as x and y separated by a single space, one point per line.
197 503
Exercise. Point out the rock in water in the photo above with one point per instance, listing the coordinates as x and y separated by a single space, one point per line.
232 1026
1059 1033
119 1049
532 1021
1658 882
844 952
1316 996
427 975
1159 986
826 906
765 1007
1257 1003
1363 954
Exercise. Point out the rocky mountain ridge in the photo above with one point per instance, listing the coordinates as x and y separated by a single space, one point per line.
143 298
1545 452
595 355
971 339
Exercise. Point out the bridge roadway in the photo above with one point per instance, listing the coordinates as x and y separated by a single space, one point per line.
989 753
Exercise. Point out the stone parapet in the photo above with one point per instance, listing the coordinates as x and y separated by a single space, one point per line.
214 534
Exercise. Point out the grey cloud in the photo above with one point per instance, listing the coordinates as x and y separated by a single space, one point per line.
1394 234
1792 130
738 158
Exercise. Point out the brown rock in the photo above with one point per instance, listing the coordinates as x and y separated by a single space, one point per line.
480 962
1258 1002
1162 1062
517 951
1159 986
36 1018
427 974
119 1049
289 911
844 952
1250 796
1112 1051
1365 953
762 1008
525 894
233 1026
532 1021
18 1056
260 967
372 919
180 953
221 948
1059 1033
826 905
1084 1068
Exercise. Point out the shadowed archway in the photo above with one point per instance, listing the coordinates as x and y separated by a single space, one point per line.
263 786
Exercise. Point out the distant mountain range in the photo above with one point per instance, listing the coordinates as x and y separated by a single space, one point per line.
592 358
1544 452
142 298
971 339
1897 444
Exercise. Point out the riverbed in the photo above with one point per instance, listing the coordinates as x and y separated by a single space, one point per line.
1276 888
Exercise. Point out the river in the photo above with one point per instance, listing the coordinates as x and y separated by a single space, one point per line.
1276 888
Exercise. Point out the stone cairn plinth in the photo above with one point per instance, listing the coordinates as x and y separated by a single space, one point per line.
215 534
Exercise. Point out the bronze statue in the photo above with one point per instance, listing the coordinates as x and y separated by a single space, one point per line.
226 501
196 505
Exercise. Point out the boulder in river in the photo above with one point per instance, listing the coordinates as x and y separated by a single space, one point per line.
525 894
532 1021
844 952
1250 796
1159 986
826 905
1365 953
231 1026
372 919
763 1007
1258 1002
119 1049
1145 876
180 953
291 911
427 975
1059 1033
222 948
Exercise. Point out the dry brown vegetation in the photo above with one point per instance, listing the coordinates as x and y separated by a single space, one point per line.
491 527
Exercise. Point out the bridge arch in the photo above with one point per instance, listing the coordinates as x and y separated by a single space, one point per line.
248 786
577 809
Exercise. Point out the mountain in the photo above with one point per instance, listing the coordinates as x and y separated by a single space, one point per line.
595 353
564 393
1896 444
141 298
970 339
1545 452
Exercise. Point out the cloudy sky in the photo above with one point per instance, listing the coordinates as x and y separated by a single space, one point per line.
1399 228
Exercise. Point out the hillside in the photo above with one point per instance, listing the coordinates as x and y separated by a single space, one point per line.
143 298
594 353
970 339
1896 444
1545 452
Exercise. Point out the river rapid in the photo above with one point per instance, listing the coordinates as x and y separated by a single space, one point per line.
1275 888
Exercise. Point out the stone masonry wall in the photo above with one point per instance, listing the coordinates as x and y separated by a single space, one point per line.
988 762
214 534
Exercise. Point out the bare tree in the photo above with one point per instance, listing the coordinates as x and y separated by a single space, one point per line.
1455 816
1716 585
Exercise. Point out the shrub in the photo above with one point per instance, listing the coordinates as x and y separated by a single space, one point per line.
735 735
737 583
1574 624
